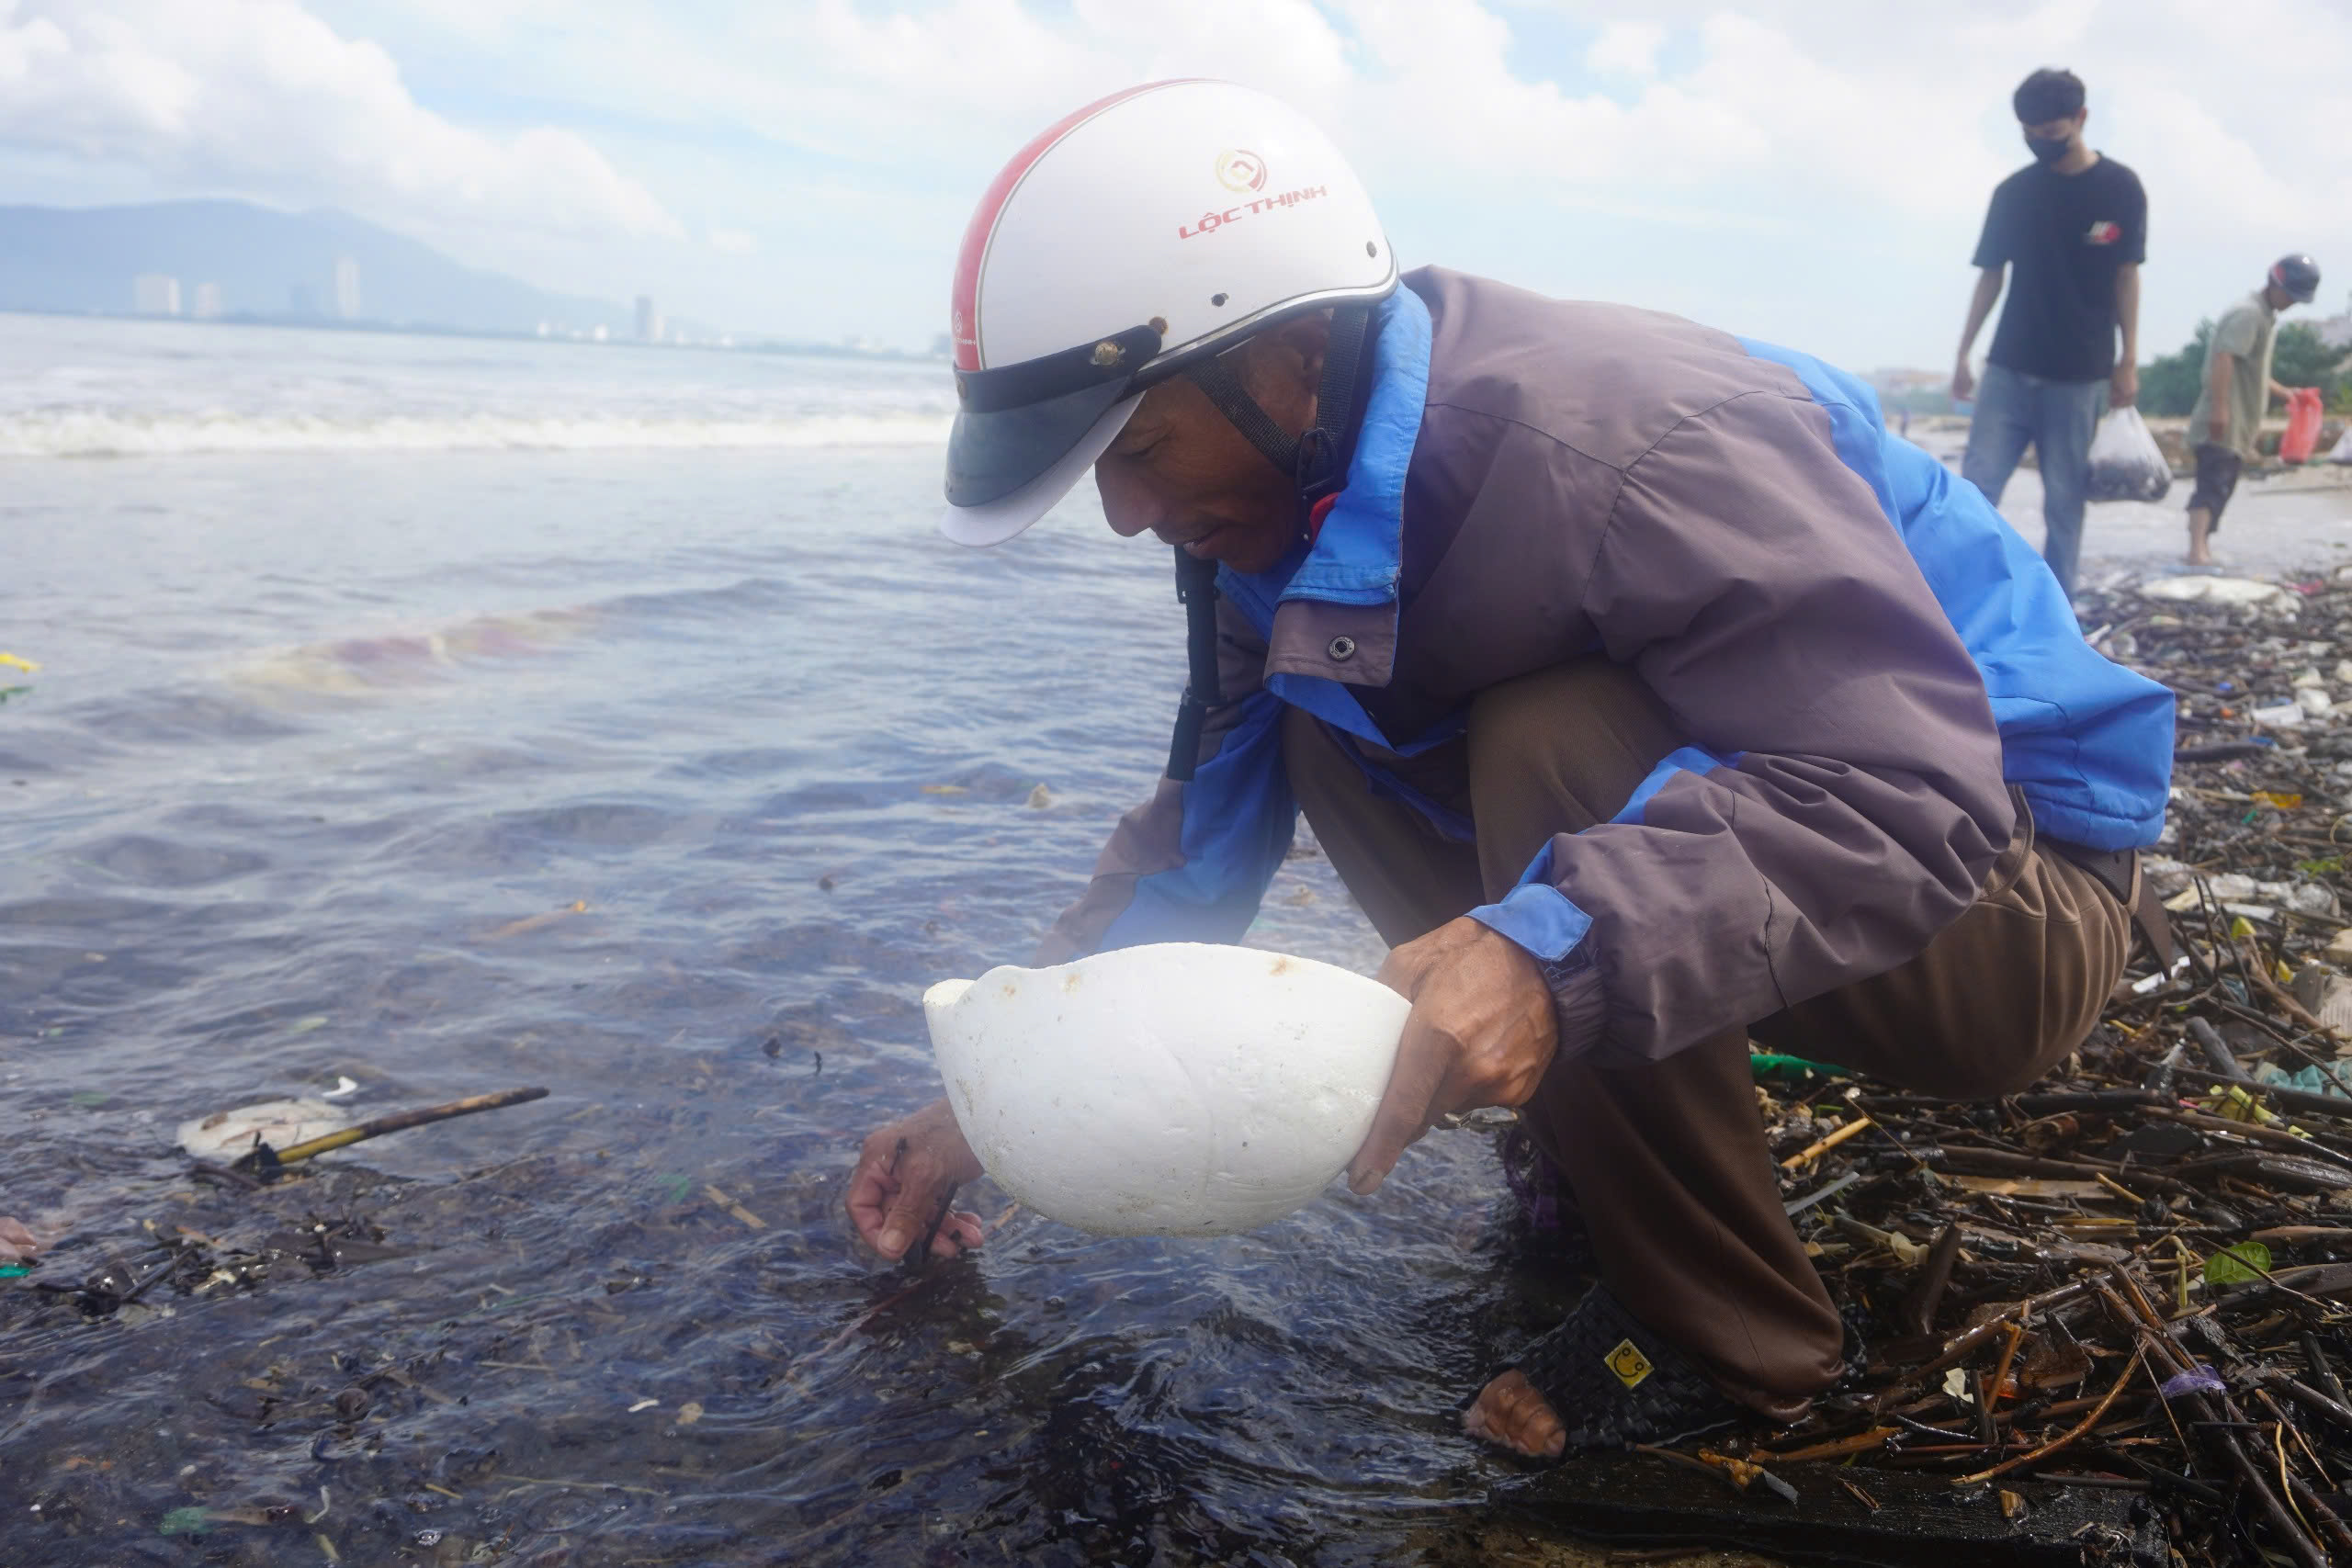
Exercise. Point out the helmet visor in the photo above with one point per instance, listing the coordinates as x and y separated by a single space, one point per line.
1017 425
993 521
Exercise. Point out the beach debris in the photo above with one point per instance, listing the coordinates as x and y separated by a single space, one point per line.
261 1139
232 1134
11 662
536 922
1040 798
2134 1280
20 1247
1181 1088
743 1216
2210 589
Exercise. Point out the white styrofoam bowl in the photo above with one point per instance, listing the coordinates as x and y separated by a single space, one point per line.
1181 1089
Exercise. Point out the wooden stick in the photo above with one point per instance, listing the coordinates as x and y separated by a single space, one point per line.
2282 999
2053 1446
1814 1150
1836 1448
2001 1371
401 1120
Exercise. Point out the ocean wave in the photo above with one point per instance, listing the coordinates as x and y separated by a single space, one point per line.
98 434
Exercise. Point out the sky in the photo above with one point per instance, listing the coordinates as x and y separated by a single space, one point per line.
1812 172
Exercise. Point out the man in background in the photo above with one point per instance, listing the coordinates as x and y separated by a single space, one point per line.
2069 231
2234 392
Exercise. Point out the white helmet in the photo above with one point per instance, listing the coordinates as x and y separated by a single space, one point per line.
1133 240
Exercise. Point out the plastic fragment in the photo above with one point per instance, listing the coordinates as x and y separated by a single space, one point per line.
2199 1378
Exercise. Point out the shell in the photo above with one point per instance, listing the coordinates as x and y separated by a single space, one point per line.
1176 1089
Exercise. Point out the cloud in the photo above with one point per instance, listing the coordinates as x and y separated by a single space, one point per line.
1627 49
1810 169
261 96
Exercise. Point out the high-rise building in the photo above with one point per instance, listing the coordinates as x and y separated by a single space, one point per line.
347 288
649 320
208 301
156 293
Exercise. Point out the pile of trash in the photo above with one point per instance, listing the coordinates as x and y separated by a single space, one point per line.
2135 1278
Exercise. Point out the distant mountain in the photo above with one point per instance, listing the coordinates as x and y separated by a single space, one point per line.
260 262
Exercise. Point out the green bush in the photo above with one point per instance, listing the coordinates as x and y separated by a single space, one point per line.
2168 385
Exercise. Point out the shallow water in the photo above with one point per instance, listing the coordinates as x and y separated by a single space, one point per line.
666 779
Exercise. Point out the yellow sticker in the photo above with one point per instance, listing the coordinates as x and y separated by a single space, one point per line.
1627 1361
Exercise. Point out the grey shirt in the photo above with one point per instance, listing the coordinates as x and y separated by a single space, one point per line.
2247 334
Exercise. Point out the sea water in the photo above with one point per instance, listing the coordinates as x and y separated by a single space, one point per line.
440 716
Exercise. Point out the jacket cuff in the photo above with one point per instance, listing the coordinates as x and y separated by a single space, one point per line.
1539 917
1549 927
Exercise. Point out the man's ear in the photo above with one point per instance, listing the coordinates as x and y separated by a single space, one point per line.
1286 363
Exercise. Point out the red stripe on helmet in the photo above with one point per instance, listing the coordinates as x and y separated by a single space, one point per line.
963 309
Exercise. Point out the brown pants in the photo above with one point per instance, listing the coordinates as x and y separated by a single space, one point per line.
1668 1162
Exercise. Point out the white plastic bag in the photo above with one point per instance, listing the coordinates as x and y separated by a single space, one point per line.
2126 462
2342 453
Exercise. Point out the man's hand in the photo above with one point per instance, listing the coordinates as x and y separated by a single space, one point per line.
1964 381
1482 1032
2124 387
2217 426
901 1183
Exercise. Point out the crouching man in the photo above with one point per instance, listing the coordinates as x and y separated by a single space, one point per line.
1646 693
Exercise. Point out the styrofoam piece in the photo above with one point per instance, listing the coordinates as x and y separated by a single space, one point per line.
1181 1088
229 1135
2210 589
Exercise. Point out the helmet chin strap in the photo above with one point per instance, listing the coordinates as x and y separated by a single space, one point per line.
1316 460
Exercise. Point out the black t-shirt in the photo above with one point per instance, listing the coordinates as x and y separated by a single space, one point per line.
2063 237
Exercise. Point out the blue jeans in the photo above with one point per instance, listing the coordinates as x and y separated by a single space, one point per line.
2058 417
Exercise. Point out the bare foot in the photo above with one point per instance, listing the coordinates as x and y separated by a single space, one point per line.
1512 1412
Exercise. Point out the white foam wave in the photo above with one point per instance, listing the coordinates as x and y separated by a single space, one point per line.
99 433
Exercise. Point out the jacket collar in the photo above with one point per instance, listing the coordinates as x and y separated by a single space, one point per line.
1329 609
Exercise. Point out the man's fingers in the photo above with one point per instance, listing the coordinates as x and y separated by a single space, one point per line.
912 1208
1405 1107
870 1191
958 1232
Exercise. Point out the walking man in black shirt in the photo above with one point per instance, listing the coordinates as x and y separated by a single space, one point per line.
2074 227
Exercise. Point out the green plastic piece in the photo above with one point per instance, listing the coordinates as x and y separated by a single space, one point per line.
2229 1265
185 1521
1772 1065
15 1271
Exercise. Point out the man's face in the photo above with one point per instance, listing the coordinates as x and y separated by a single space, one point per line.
1181 471
2053 139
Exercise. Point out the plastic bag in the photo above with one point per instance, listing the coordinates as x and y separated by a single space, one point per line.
2302 426
2126 462
2343 453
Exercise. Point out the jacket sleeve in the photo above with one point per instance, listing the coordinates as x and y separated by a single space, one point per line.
1842 799
1191 864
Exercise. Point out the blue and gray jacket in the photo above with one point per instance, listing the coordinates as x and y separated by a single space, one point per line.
1863 657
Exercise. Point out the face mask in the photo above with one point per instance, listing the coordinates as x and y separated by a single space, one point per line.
2050 151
